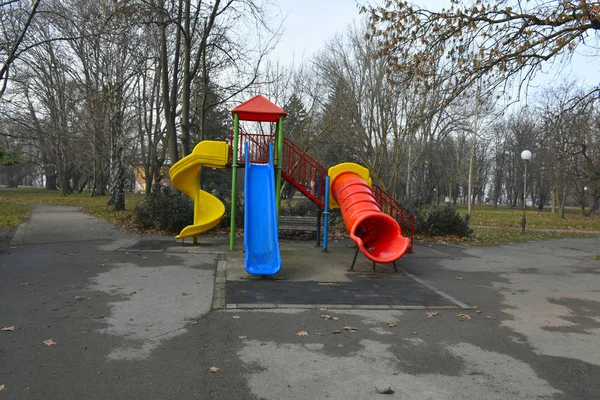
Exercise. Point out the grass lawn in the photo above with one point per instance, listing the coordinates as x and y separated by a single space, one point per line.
503 217
12 213
17 202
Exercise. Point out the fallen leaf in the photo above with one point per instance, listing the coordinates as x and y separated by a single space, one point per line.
102 265
460 278
431 314
386 390
412 333
9 328
464 316
49 342
350 328
243 337
1 388
302 333
478 312
490 317
214 369
186 293
320 334
391 325
326 316
113 285
236 317
194 323
79 298
336 332
475 307
24 284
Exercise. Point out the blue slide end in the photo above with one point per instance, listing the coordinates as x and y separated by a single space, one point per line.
261 234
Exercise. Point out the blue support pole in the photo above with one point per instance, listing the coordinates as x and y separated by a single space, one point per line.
326 213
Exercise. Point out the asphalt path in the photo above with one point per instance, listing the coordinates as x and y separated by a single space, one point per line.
93 320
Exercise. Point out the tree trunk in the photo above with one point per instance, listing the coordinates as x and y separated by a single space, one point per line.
563 201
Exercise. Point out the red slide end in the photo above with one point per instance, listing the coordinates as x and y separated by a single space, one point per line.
378 235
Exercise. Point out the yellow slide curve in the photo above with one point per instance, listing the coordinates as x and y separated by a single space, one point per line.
185 177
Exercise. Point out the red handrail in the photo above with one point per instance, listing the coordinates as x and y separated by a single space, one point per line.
258 147
304 172
307 175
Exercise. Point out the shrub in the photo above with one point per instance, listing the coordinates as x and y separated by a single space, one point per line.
439 221
165 209
239 211
301 207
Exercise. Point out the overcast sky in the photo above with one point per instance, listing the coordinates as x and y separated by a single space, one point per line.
311 23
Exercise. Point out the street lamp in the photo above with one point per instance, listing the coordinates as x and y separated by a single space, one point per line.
525 156
584 193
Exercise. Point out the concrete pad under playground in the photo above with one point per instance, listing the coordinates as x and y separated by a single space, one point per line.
302 260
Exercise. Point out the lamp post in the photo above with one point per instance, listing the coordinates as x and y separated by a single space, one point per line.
525 156
584 193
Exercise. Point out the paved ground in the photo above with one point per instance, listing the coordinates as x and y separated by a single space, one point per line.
130 323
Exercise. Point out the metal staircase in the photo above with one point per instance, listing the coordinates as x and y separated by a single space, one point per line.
307 175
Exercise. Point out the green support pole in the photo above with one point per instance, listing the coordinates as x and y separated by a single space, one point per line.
279 149
234 164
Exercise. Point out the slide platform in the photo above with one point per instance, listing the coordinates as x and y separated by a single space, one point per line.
185 177
261 234
378 235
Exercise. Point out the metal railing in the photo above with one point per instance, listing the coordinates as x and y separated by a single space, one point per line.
307 175
304 172
258 147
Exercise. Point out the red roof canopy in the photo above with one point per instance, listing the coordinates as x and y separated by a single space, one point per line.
258 109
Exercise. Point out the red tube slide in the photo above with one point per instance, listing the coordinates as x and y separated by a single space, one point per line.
378 235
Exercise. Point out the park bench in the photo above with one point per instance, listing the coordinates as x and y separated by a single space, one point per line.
296 223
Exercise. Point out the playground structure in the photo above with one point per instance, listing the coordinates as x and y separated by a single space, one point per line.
375 221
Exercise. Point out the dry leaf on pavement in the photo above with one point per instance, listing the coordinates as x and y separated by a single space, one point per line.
431 314
214 369
336 332
49 342
302 333
327 316
490 317
460 278
186 293
236 317
243 337
464 316
9 328
350 328
24 284
101 265
413 333
386 390
79 298
391 325
1 388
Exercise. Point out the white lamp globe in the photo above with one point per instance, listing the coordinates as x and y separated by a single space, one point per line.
526 155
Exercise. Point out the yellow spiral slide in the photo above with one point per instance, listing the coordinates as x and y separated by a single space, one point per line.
185 177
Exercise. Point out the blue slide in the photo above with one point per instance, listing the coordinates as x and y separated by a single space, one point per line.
261 235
